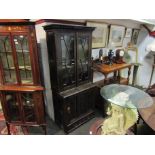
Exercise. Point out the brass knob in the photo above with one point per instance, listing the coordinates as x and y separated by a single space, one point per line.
68 109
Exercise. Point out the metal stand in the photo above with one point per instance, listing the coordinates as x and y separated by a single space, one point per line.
153 66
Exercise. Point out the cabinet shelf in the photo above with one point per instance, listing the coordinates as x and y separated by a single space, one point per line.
22 51
8 52
11 68
25 68
21 88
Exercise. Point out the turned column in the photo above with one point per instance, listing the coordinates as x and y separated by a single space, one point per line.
129 72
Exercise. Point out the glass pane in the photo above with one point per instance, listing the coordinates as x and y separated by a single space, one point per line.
67 61
13 107
28 106
23 56
82 61
7 59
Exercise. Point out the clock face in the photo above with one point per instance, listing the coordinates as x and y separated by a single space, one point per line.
121 53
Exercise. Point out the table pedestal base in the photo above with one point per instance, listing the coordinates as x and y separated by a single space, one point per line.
120 119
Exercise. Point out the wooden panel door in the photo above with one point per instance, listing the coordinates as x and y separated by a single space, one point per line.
69 110
85 102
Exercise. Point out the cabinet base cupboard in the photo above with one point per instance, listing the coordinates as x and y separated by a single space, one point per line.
76 106
20 87
69 50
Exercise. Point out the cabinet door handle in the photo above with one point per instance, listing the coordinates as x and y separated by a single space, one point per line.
69 110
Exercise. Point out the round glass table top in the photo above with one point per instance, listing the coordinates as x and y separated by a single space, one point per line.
126 96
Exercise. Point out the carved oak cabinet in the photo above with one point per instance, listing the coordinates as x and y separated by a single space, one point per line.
69 50
20 87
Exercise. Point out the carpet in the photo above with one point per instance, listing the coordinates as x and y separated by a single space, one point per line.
15 130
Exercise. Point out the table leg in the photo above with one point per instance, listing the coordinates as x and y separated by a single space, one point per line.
106 79
44 128
135 69
8 128
119 76
153 66
129 72
115 75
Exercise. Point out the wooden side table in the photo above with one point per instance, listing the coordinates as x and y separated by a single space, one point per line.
148 115
114 68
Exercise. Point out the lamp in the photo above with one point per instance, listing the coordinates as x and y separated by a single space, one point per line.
151 48
131 47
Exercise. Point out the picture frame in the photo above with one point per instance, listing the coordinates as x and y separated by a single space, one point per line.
128 33
99 35
134 36
116 36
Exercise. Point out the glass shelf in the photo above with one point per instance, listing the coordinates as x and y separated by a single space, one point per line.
9 52
21 50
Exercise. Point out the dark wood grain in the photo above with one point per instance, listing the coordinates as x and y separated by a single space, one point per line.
148 115
74 103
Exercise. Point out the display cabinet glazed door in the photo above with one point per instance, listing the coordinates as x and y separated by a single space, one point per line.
66 60
22 49
8 70
28 105
83 58
13 107
15 59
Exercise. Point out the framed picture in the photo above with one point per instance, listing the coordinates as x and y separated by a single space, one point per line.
99 35
116 36
128 33
135 36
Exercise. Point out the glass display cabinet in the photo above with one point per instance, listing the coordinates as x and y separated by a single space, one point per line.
69 51
20 86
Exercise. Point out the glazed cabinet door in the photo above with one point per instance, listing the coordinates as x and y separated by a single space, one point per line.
17 65
83 58
28 107
22 50
7 60
66 60
32 106
12 107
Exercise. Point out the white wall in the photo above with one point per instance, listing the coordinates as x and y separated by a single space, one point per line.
41 40
146 58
